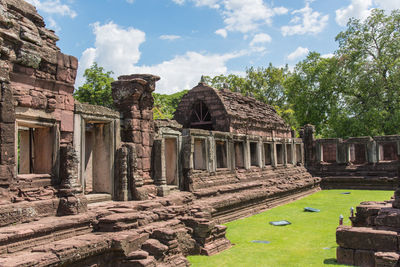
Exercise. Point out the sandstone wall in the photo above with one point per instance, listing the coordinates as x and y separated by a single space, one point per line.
36 79
355 162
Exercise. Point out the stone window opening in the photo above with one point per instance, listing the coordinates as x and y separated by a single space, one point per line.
267 154
221 154
201 117
388 151
289 155
171 161
358 153
279 154
199 154
328 153
239 155
35 149
299 159
253 154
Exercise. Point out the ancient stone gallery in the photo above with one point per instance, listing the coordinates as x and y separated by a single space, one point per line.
84 185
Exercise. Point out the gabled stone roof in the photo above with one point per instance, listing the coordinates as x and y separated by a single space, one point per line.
230 111
248 108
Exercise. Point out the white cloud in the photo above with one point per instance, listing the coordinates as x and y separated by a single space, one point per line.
359 9
246 16
170 37
280 10
53 7
305 21
117 49
185 71
222 32
388 5
298 53
242 16
130 1
329 55
260 38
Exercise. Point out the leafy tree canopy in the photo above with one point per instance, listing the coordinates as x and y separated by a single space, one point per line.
97 88
165 105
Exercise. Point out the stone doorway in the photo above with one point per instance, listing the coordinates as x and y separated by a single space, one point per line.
97 158
171 161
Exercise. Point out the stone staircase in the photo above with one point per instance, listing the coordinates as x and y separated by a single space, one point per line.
160 232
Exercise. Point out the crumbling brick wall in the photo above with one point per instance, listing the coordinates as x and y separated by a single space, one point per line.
35 78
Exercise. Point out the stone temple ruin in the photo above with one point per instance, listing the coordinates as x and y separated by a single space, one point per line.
103 187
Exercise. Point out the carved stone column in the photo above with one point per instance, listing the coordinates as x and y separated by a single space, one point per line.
133 99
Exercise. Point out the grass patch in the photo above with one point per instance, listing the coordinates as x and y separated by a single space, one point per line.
309 241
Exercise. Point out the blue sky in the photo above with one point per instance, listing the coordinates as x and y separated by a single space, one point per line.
180 40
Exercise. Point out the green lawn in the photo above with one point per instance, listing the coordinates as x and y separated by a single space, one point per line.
308 241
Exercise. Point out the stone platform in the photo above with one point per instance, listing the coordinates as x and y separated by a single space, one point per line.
373 240
161 231
157 232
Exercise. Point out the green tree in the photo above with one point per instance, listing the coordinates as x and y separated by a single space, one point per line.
312 91
165 105
97 88
369 65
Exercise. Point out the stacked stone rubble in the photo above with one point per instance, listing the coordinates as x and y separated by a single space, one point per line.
160 232
373 239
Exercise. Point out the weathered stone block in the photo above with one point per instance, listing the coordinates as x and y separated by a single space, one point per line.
74 62
60 101
366 238
345 256
7 133
24 100
69 102
364 258
386 259
67 121
155 248
64 88
7 154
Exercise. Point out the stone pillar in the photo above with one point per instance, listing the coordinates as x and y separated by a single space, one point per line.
72 201
231 152
159 167
260 154
246 154
284 151
274 156
133 99
309 144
